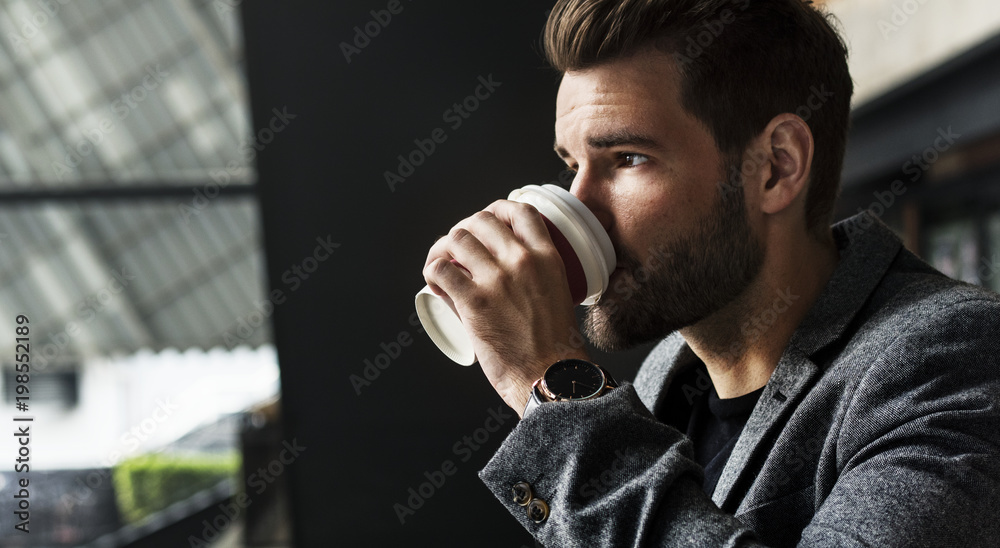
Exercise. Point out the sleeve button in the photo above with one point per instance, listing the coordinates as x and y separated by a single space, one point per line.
538 510
522 493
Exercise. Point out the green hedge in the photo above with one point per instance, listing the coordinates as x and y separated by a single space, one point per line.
149 483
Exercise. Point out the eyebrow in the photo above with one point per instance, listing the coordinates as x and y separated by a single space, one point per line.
613 139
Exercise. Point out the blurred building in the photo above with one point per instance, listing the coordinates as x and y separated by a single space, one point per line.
130 239
924 149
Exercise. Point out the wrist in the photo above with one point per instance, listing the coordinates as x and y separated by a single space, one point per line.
517 392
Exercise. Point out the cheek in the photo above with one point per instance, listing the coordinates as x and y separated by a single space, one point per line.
638 228
682 211
651 210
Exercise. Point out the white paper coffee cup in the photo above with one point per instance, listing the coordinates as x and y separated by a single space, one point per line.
582 242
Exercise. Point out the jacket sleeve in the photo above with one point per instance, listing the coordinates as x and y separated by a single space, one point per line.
612 475
915 456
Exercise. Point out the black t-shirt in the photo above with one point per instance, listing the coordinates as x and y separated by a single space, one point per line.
714 427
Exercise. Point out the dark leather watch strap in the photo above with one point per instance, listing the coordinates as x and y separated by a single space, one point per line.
534 401
612 383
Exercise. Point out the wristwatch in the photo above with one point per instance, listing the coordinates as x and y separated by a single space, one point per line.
569 380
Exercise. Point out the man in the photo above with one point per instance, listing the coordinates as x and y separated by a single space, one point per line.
815 386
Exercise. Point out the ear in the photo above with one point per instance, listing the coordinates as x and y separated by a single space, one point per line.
788 144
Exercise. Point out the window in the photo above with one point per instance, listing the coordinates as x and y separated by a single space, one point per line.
47 387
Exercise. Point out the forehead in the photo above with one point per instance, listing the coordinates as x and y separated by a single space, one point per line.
643 86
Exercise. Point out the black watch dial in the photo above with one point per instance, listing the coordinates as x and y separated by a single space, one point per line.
574 380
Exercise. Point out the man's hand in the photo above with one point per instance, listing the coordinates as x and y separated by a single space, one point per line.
511 294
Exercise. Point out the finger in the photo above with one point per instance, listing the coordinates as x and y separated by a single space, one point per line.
463 247
442 249
450 279
524 220
496 236
439 250
471 254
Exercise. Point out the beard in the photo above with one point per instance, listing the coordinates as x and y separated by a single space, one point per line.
684 280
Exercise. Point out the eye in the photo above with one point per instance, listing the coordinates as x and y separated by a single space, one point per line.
633 159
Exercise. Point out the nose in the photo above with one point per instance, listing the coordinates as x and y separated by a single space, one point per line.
589 190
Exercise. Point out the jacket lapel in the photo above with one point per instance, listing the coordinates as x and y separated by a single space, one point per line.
787 386
661 367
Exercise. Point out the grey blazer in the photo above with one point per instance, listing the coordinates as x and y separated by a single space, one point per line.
880 427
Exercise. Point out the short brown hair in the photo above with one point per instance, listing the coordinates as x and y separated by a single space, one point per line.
743 62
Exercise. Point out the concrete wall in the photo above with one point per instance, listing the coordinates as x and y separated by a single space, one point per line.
891 41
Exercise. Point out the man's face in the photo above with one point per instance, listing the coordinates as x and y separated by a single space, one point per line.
651 173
